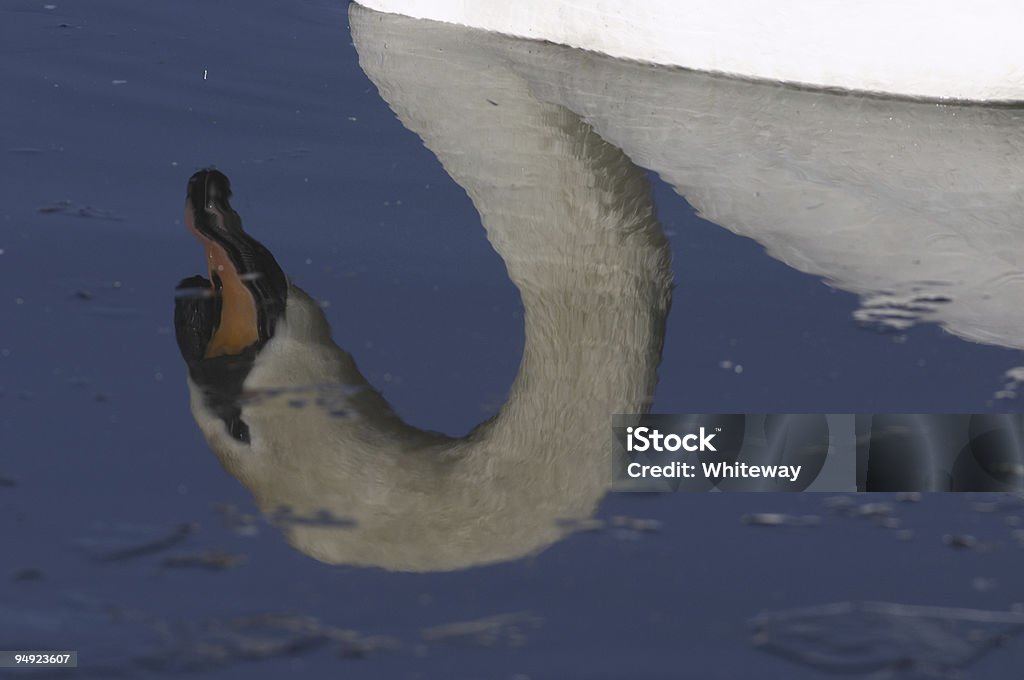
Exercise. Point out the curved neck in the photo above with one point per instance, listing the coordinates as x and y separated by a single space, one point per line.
574 222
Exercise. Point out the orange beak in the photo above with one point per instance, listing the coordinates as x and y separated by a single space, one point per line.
248 286
238 326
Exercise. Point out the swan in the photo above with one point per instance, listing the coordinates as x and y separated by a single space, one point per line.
574 222
950 49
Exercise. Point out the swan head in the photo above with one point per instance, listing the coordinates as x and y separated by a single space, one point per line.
223 320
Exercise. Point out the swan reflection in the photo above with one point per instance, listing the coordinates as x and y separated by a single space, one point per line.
573 220
911 206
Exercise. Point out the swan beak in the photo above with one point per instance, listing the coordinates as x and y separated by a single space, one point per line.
246 291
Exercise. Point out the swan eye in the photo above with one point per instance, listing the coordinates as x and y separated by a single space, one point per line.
238 429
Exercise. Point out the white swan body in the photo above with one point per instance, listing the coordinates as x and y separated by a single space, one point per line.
942 49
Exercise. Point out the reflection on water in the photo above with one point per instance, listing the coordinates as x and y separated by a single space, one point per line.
912 206
574 222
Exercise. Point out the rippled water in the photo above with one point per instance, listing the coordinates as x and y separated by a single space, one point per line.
828 254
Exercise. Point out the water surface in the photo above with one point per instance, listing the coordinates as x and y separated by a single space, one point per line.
113 107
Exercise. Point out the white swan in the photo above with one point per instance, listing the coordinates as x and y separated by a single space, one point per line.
573 220
944 49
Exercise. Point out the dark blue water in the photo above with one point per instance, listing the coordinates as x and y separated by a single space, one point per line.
107 113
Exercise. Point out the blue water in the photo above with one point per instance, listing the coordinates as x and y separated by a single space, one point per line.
111 106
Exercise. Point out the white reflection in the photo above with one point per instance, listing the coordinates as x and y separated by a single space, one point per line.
915 207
